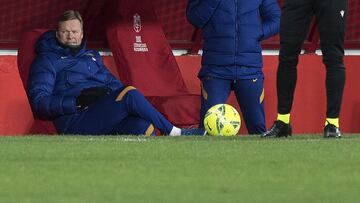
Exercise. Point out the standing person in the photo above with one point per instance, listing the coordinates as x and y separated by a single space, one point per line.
71 86
232 58
331 18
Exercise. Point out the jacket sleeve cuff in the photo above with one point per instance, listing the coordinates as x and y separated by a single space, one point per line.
69 105
266 32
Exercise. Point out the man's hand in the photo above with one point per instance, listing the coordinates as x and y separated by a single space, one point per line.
90 95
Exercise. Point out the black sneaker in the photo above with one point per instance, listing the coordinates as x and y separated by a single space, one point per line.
331 131
279 129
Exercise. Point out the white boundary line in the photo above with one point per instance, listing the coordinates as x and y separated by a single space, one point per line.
8 52
349 52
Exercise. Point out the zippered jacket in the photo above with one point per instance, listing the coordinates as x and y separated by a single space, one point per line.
232 29
57 77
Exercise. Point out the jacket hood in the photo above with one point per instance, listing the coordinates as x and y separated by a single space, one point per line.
49 43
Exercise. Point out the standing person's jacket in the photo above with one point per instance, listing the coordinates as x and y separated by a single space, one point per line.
233 29
58 76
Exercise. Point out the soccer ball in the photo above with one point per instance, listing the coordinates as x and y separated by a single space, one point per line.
223 120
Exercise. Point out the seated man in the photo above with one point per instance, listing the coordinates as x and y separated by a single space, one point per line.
71 86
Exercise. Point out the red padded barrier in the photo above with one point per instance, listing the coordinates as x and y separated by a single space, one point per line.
142 53
26 55
144 59
15 112
16 117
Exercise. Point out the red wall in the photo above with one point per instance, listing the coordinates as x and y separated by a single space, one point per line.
308 109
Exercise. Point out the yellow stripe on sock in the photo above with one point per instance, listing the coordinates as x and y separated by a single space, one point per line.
122 93
284 118
334 121
262 96
150 130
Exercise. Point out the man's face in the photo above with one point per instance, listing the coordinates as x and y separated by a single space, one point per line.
70 33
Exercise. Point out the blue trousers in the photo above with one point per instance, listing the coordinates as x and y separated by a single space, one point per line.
249 94
123 111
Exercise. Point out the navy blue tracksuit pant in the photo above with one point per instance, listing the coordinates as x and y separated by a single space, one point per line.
123 111
249 94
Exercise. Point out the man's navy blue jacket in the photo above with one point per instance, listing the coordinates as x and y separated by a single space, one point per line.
233 29
57 77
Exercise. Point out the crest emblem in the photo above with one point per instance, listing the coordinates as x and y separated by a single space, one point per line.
137 22
342 12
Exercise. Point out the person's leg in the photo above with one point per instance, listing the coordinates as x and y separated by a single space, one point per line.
295 21
134 126
331 17
104 115
137 105
250 96
213 91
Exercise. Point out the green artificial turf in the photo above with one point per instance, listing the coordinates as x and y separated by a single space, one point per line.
179 169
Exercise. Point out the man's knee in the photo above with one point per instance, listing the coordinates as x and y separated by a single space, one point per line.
124 92
289 55
333 57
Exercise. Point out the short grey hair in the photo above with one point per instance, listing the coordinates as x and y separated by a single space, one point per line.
71 15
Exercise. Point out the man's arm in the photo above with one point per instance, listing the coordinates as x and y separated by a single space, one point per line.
270 13
111 82
40 91
199 12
